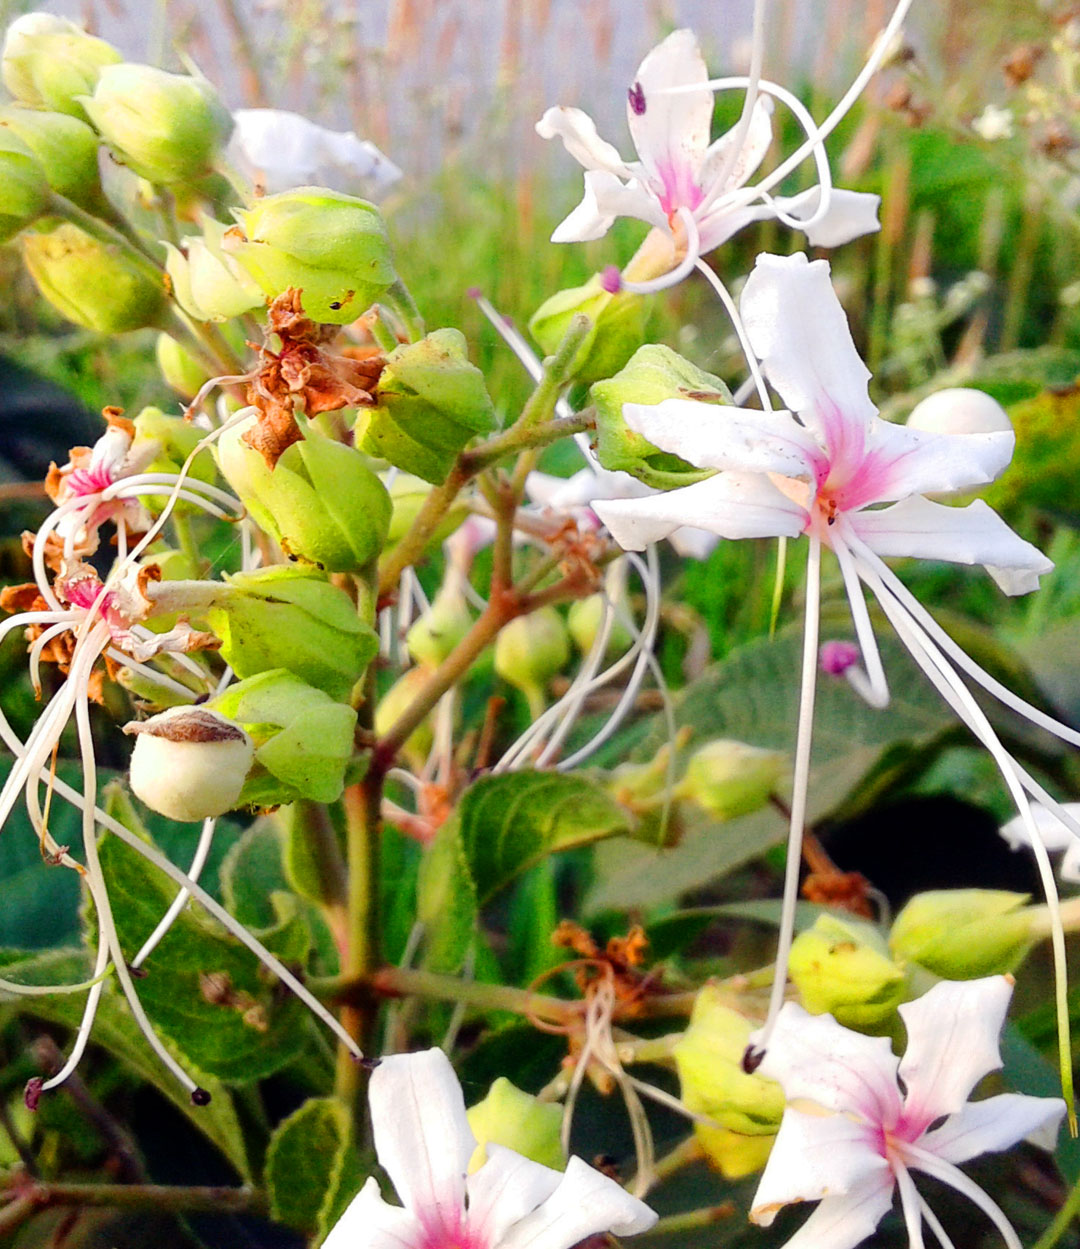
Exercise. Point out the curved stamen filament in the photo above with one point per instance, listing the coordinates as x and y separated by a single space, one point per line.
685 266
740 332
198 862
871 685
951 1175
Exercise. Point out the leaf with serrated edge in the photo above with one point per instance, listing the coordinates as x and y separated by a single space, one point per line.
310 1158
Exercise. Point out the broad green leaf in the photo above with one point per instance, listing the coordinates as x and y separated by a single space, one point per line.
753 696
116 1031
311 1159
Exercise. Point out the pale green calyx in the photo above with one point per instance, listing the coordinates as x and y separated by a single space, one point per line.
24 189
962 934
179 367
48 62
617 326
206 281
728 778
66 149
841 967
518 1121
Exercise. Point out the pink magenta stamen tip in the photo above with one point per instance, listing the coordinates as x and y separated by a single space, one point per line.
474 292
611 279
837 657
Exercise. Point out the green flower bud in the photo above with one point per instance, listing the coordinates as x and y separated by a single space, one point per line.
431 401
584 620
747 1109
24 190
728 778
179 367
303 738
66 149
48 62
517 1121
617 327
654 373
91 283
207 282
530 650
166 127
332 247
407 494
961 934
643 788
292 618
189 763
392 706
435 634
321 501
842 968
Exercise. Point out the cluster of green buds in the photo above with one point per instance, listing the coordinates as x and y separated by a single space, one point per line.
616 326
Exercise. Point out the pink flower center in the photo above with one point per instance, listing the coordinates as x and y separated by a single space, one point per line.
451 1233
680 190
89 480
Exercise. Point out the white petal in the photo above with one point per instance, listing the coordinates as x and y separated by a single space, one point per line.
110 451
952 1042
671 132
850 215
584 1203
505 1189
606 198
720 223
422 1137
843 1222
741 439
902 461
751 154
731 505
1054 834
815 1156
1069 867
815 1059
995 1124
974 534
370 1222
578 133
799 332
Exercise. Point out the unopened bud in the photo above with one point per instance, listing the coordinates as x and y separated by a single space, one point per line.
517 1121
585 620
842 968
179 367
746 1108
206 281
292 618
728 778
91 283
24 190
530 650
961 934
303 738
653 374
617 326
960 410
189 763
408 495
166 127
66 149
435 634
321 501
394 703
49 62
331 247
431 401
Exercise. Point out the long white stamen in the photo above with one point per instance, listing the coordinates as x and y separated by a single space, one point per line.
909 1203
742 127
934 1223
198 862
955 1178
740 331
799 788
871 685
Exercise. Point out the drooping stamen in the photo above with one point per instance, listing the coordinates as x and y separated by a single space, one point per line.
909 1204
198 862
951 1175
740 332
871 685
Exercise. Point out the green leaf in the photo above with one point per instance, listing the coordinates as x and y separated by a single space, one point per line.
116 1031
753 696
310 1161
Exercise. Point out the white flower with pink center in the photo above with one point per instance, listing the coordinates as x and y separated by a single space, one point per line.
859 1120
424 1143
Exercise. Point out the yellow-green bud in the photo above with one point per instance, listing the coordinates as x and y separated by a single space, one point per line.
189 763
303 738
728 778
292 618
92 283
332 247
584 620
841 968
179 367
24 190
207 282
747 1109
408 494
530 650
65 147
961 934
321 501
617 326
431 401
517 1121
49 62
393 704
653 374
643 788
435 634
166 127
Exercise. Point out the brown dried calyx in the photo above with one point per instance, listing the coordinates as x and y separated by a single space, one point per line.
193 724
303 374
60 649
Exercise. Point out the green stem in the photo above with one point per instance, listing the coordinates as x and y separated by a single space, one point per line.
693 1220
173 1197
382 333
400 301
558 370
520 439
412 546
59 206
1064 1218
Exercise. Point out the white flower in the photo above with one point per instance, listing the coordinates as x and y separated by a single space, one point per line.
1055 835
424 1143
852 1134
279 150
679 172
993 123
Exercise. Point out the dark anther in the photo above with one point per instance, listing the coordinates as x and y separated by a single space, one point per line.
636 96
138 973
369 1064
200 1097
752 1060
32 1092
202 698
